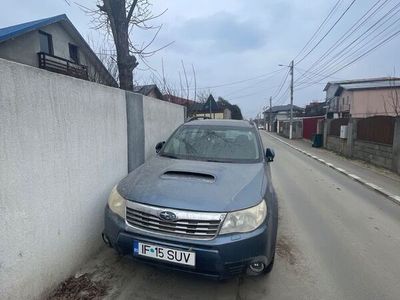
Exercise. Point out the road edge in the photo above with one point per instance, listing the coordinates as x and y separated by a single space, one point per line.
371 186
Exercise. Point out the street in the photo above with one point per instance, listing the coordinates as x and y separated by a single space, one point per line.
336 240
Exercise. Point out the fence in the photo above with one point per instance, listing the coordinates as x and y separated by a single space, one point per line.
378 129
297 129
374 139
334 128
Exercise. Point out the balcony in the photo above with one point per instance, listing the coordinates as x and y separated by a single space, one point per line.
61 65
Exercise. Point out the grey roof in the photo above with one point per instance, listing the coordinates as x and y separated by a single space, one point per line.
144 89
279 108
365 81
372 85
14 31
221 122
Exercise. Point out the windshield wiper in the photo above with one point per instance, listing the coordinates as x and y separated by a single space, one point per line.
219 161
169 156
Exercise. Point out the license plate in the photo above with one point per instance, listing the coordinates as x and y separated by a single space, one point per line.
163 253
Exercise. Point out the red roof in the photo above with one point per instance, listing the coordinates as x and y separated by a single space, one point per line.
178 100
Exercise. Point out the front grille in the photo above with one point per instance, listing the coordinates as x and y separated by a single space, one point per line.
195 225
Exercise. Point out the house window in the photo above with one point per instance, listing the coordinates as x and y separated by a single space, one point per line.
46 43
73 53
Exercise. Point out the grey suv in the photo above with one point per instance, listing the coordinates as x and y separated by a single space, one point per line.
205 204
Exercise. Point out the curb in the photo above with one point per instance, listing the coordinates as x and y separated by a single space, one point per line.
378 189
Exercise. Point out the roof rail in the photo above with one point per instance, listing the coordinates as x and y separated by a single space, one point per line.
197 118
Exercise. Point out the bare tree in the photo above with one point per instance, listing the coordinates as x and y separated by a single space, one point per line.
393 100
119 18
186 79
108 59
195 83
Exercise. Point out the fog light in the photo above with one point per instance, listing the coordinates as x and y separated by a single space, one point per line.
257 267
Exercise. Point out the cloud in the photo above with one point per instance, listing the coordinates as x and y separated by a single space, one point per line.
220 32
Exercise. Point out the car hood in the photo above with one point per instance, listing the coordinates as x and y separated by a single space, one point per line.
195 185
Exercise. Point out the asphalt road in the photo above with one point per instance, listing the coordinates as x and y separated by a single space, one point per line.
336 240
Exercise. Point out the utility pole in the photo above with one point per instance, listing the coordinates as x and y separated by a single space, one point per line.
270 114
291 101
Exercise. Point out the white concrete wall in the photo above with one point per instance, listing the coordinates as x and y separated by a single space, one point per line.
161 118
63 145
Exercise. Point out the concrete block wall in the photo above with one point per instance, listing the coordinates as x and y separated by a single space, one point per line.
336 144
297 129
387 156
149 121
63 147
374 153
161 118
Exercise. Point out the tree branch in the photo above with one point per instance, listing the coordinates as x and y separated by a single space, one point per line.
131 9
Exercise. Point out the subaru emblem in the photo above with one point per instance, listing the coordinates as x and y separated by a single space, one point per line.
167 216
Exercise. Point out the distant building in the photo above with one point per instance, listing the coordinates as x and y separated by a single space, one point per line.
179 100
53 44
280 113
315 109
362 98
212 109
150 90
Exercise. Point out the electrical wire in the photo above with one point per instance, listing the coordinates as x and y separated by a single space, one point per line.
350 53
341 52
326 34
239 81
332 11
386 40
366 16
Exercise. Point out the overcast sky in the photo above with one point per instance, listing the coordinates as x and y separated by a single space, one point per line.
237 40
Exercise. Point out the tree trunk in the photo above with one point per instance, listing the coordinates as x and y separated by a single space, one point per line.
119 24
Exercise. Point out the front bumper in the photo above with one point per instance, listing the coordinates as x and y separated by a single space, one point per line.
222 257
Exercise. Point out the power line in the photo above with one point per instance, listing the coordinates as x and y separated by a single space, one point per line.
281 85
319 28
250 86
388 39
346 35
251 94
326 34
348 52
240 81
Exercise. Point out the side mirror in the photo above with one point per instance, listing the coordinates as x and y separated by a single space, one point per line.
159 146
269 154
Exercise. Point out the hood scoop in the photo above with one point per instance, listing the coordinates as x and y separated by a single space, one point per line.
188 175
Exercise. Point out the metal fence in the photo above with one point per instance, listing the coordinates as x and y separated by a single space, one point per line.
334 128
378 129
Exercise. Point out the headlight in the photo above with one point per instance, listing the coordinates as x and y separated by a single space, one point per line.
116 202
244 220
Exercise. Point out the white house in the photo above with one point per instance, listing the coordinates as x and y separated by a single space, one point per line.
56 45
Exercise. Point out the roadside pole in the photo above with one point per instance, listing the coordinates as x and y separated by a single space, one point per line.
291 101
270 114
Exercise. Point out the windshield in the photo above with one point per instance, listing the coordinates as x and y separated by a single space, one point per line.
214 143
